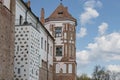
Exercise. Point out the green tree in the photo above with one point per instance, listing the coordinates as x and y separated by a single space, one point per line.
83 77
100 73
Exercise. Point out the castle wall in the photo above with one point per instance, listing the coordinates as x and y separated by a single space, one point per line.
7 41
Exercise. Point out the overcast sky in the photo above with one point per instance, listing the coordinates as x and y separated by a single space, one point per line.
98 31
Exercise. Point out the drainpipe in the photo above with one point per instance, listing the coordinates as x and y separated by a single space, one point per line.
47 58
26 17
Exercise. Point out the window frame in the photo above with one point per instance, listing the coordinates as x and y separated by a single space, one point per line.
58 31
59 52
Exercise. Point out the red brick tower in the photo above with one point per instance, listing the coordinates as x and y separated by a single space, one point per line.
62 26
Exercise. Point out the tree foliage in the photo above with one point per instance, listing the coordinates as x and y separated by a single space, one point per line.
100 73
83 77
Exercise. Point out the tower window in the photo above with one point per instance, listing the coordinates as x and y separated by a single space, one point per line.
59 51
58 31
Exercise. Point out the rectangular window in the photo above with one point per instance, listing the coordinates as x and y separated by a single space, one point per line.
51 50
42 42
39 61
48 48
59 51
36 72
18 70
45 45
58 31
21 19
32 71
17 48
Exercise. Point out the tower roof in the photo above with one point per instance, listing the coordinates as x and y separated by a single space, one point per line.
61 13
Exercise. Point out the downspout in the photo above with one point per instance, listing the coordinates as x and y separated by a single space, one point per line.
47 58
26 17
54 78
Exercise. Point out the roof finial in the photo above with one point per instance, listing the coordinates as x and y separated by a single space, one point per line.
61 1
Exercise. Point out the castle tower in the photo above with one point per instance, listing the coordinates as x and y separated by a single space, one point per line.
7 10
62 26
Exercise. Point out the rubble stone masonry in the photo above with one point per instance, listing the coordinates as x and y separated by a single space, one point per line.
7 41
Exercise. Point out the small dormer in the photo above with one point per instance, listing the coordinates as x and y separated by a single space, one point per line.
60 13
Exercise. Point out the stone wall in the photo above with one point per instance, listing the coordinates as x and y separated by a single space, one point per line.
6 42
44 73
64 77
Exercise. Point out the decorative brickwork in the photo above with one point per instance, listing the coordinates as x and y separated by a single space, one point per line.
62 26
7 41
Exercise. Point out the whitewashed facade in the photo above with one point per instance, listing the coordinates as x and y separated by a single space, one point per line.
33 44
27 53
